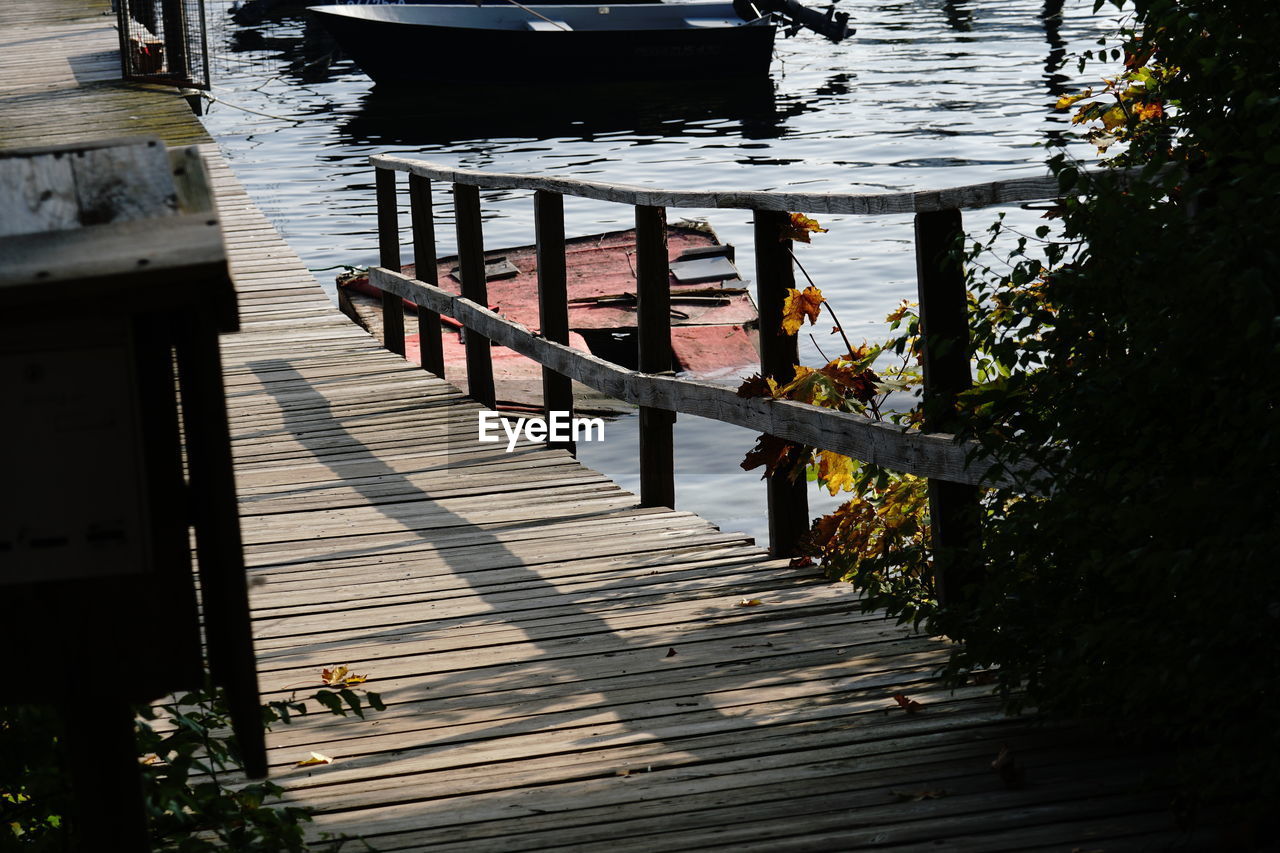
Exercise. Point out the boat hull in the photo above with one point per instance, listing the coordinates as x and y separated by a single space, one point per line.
399 52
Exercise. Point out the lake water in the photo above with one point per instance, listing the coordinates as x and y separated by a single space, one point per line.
928 94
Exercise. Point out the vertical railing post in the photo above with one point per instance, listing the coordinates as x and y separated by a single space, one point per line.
424 261
466 206
788 499
553 298
389 257
653 321
945 355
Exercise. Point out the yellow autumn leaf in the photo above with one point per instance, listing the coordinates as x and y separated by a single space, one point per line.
341 676
835 471
798 305
316 758
749 602
1067 100
1114 117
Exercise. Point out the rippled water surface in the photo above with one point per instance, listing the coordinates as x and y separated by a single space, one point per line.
928 94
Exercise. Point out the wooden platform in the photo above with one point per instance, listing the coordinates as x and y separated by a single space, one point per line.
564 670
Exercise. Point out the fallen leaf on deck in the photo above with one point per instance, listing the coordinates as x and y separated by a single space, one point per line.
1010 773
749 602
801 562
671 653
316 758
341 676
917 796
908 705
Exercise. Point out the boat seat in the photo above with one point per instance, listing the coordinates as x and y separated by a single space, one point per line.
547 26
713 22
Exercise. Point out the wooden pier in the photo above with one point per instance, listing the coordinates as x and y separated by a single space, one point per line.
564 668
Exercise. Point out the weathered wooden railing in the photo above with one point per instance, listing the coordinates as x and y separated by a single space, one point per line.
932 452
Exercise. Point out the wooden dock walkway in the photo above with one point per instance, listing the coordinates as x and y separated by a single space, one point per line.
563 669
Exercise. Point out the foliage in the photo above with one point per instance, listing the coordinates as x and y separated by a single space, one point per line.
196 796
1129 356
1134 359
879 538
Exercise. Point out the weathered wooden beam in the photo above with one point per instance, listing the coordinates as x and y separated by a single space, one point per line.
788 498
973 196
389 257
653 333
424 259
553 298
954 509
466 206
224 589
877 442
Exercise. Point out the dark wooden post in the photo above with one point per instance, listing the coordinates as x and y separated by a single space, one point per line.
466 206
788 499
945 356
553 298
389 257
174 15
653 321
424 261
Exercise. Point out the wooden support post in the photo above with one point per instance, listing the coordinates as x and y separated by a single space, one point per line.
945 355
466 206
224 586
424 261
101 750
553 299
389 257
653 321
788 499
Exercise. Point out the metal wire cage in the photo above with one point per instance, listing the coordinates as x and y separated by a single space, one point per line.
164 41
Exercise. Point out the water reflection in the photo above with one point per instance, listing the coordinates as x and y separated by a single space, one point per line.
580 110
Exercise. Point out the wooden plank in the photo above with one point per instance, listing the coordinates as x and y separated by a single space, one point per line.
553 296
424 258
653 333
466 204
389 256
945 352
974 196
788 497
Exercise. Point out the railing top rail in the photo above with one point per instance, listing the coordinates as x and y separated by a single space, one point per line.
973 196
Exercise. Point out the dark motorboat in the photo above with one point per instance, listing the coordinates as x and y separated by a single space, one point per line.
421 43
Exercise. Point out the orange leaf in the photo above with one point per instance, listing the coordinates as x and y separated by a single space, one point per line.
911 706
799 305
799 227
749 602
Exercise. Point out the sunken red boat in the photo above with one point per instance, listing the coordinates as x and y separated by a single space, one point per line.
714 323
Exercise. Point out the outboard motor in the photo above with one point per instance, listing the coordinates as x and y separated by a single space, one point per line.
830 23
